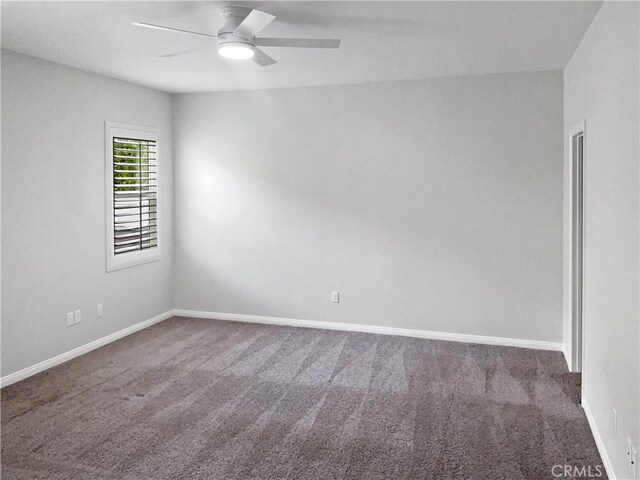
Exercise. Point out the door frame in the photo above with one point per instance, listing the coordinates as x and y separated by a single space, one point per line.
577 327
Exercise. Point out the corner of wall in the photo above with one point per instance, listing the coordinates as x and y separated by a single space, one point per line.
174 240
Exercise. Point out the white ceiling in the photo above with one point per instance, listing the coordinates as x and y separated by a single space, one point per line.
381 41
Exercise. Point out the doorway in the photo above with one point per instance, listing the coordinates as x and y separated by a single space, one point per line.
577 245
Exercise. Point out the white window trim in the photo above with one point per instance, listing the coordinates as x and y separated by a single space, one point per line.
129 259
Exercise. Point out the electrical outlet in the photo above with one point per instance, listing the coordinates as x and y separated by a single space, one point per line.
70 319
632 457
78 316
615 421
335 297
99 310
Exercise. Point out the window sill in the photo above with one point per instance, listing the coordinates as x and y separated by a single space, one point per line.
115 263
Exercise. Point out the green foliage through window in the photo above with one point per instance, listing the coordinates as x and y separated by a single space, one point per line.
134 194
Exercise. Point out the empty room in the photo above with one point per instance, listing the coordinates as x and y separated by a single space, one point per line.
320 240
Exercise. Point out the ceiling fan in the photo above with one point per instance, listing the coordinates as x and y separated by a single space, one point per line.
237 37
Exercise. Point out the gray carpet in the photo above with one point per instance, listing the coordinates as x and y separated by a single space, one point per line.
203 399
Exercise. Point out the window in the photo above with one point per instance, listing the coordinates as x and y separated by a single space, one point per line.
132 195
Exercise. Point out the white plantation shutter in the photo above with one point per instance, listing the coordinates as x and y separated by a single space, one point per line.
132 195
135 197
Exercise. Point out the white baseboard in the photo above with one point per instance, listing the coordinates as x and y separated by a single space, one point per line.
451 337
606 461
567 357
76 352
351 327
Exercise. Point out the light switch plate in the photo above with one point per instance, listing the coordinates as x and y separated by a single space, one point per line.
70 320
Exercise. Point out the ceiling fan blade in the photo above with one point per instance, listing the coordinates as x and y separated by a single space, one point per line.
185 52
253 23
171 29
298 42
262 58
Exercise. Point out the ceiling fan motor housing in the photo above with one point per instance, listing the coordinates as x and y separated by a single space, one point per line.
231 18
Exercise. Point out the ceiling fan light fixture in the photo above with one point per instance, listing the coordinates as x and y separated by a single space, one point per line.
237 40
236 51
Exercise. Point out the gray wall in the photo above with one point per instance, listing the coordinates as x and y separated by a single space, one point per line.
601 87
433 204
53 210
